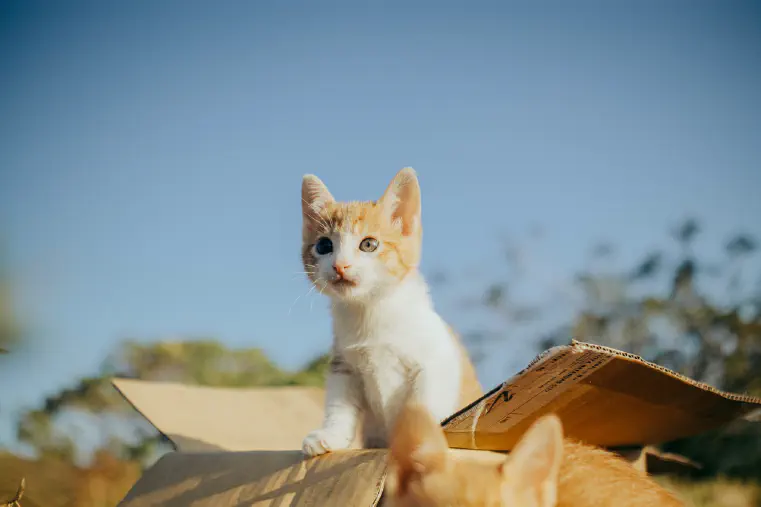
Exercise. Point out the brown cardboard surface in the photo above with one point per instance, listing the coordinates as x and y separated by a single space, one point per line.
261 478
197 418
270 479
603 396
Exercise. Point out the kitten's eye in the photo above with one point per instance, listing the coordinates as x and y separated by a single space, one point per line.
368 244
323 246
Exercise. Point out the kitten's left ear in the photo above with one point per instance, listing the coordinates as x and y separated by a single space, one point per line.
402 200
314 197
534 463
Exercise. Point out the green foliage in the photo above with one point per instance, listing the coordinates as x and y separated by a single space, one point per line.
662 310
202 362
9 329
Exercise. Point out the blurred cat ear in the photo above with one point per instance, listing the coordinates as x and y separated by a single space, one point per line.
418 446
402 200
534 463
314 197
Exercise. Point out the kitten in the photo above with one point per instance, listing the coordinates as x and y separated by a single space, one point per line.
389 343
543 470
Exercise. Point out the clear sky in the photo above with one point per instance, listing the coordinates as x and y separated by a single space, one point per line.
151 153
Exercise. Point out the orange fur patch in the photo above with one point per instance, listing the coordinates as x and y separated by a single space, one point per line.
422 474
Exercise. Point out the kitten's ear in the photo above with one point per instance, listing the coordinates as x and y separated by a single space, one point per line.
402 200
533 465
314 197
418 447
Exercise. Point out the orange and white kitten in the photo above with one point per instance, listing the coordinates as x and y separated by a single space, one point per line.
389 343
543 470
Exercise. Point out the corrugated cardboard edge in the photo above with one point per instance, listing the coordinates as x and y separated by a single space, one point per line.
745 398
475 410
577 346
544 355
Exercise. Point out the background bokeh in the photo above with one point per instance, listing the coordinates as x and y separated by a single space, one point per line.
589 169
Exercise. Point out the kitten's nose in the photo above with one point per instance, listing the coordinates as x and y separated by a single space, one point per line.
341 268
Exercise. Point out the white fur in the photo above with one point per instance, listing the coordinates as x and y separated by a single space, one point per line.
395 344
391 344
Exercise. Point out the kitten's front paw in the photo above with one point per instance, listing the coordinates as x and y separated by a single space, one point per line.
324 440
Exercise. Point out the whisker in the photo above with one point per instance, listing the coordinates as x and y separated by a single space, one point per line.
312 299
312 288
294 302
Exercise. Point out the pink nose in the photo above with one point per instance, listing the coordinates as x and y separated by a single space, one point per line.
341 268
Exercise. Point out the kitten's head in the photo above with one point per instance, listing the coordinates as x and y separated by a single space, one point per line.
422 473
354 250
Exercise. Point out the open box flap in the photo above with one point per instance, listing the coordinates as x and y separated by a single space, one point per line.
604 397
351 478
261 478
197 418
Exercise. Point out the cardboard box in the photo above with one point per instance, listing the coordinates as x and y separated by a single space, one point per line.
238 446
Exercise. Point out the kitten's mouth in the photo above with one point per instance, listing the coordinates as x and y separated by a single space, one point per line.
343 283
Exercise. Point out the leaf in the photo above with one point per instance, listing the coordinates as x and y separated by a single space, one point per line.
648 267
603 250
683 277
685 232
740 245
495 295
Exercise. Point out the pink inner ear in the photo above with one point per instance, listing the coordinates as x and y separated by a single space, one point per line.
407 208
407 216
402 200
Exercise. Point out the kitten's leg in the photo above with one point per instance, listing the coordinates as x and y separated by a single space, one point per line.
386 385
373 433
437 387
342 401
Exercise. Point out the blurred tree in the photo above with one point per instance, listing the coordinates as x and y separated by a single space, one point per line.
199 362
698 318
9 329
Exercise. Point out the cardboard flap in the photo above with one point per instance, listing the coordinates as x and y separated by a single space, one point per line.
198 418
261 478
604 397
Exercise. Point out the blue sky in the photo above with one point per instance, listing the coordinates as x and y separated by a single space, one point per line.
151 154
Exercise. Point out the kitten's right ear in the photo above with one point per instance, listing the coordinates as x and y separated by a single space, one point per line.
401 200
533 465
418 447
314 197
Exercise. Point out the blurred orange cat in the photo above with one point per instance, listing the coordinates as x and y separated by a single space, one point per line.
543 470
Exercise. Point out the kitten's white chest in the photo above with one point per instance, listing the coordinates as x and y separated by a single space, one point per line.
399 347
404 323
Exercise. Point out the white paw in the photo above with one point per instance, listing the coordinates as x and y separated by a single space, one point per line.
323 440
